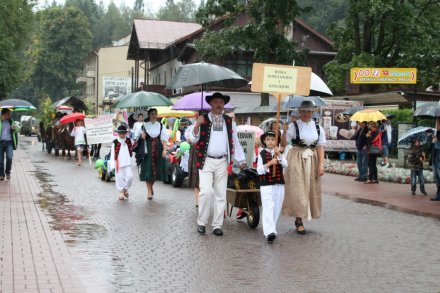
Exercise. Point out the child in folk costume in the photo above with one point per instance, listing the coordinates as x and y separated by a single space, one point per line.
272 187
120 160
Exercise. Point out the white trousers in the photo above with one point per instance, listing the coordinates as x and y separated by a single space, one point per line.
213 180
272 197
123 177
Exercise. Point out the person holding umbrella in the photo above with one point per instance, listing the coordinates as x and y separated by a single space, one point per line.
8 143
153 167
79 132
306 166
216 144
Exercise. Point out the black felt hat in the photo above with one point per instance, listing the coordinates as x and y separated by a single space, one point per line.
266 134
217 95
122 129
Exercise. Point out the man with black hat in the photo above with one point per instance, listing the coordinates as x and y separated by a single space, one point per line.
120 160
216 143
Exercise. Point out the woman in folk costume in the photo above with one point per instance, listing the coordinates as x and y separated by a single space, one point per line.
305 167
120 160
153 167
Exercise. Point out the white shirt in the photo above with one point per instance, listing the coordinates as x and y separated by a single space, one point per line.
137 127
153 130
307 132
217 148
78 132
124 158
263 169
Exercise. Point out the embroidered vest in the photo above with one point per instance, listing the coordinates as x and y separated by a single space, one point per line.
268 179
118 147
205 134
300 142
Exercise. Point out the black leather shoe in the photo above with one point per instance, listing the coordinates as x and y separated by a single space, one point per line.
271 237
201 229
435 199
218 232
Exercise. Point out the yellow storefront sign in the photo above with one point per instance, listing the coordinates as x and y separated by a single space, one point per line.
383 75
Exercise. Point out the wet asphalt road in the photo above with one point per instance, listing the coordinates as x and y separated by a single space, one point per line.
152 246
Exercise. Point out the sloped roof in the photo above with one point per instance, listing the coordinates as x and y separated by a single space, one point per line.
159 34
376 99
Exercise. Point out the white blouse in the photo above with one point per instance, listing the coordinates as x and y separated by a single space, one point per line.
153 130
307 132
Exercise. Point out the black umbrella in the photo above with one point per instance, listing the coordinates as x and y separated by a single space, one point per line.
352 110
76 103
295 101
206 74
428 110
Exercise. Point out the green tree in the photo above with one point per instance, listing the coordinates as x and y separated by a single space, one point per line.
183 10
15 27
385 33
58 50
46 111
321 14
263 34
139 6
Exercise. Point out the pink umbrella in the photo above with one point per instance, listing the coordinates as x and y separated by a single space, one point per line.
250 128
193 102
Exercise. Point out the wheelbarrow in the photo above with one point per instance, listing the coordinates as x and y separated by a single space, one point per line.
247 199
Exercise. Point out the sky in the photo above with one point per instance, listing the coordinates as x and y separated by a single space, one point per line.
152 5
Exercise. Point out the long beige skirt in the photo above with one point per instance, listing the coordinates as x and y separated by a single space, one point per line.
302 184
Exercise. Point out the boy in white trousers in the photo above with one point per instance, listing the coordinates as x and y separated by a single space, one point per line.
120 160
271 187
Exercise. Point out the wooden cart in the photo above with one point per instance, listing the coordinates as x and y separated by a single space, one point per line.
248 199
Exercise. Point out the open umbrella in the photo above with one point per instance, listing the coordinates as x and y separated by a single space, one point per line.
193 102
418 132
318 87
168 112
250 128
143 99
206 74
72 118
295 101
16 103
367 115
76 103
428 110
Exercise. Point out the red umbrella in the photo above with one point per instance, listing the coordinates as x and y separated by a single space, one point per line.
72 118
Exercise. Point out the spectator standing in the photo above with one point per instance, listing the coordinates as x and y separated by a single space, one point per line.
415 163
362 152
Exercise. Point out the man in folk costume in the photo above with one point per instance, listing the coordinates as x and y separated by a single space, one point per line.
306 166
216 142
120 160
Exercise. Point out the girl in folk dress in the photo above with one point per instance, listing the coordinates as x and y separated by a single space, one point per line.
153 167
305 167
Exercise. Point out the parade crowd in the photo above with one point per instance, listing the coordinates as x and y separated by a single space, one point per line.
289 164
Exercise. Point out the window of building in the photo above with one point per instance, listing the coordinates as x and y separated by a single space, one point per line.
242 67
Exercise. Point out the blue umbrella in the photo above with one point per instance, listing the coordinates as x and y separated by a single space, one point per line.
404 141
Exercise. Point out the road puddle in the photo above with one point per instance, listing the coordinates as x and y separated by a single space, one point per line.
68 218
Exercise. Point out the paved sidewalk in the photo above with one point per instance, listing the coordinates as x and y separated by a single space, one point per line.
390 195
33 257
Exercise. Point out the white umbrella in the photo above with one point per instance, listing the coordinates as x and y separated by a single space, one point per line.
317 86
